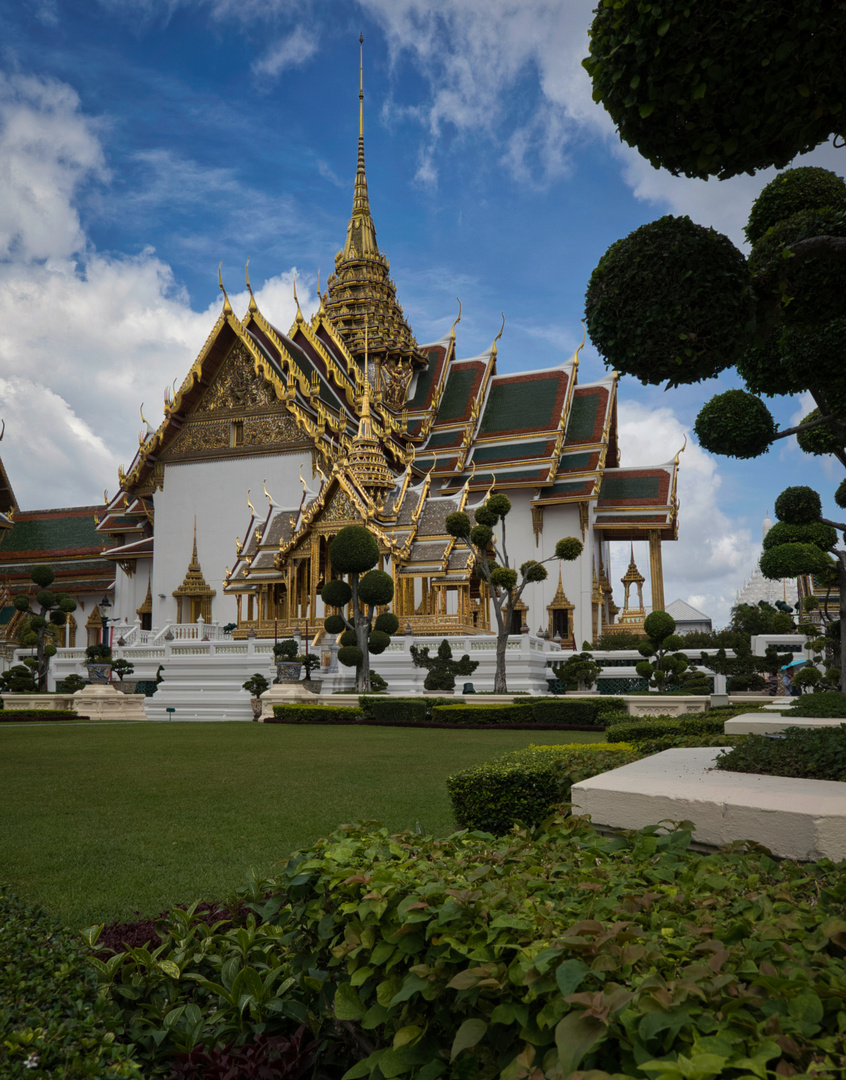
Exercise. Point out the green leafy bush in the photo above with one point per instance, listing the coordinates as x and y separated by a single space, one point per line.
54 1022
525 785
483 714
810 753
828 704
16 715
315 714
563 710
396 710
653 727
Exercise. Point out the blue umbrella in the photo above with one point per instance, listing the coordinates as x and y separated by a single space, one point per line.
795 663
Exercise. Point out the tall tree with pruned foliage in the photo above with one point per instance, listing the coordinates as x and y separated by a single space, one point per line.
46 609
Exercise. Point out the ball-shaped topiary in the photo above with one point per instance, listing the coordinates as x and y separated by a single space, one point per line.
46 598
348 637
798 505
792 560
794 190
336 593
58 617
67 604
376 588
568 549
481 535
21 603
818 440
378 642
334 624
815 532
354 550
457 524
840 495
37 622
670 303
533 571
498 504
504 577
350 655
43 576
736 424
659 625
484 516
718 88
387 622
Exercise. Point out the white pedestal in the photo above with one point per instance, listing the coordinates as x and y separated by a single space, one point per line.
107 703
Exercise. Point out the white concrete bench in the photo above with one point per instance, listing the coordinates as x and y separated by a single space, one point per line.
798 819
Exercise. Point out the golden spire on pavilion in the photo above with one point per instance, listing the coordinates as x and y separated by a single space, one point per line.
361 288
367 461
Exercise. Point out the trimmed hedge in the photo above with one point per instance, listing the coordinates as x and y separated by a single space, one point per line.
654 727
823 703
54 1021
315 714
484 714
807 753
384 710
39 714
563 710
527 785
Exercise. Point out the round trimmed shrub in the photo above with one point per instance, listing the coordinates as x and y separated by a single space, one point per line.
457 524
671 303
387 622
798 505
792 560
21 603
336 593
794 190
659 625
353 550
499 505
376 588
334 624
568 549
43 576
815 532
350 656
534 571
819 440
840 495
348 638
484 516
67 604
736 424
504 577
481 535
378 642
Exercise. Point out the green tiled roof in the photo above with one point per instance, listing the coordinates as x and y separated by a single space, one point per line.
582 421
570 487
483 479
440 439
516 451
456 395
622 488
575 462
7 614
58 533
521 406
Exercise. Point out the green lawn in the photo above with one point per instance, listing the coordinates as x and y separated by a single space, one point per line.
100 822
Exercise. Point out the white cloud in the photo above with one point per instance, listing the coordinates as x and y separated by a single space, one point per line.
292 51
84 337
712 556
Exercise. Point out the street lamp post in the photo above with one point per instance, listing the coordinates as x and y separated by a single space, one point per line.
104 606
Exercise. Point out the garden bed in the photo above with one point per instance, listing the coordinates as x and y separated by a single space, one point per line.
41 716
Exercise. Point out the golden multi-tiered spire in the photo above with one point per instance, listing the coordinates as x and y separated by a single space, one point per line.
367 461
361 288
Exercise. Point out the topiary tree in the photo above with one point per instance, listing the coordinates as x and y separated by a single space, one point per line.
355 552
803 542
578 672
50 609
667 666
122 668
493 567
713 89
441 668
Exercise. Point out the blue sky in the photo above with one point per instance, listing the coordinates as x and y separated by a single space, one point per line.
142 142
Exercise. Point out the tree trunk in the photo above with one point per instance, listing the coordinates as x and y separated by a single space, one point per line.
41 670
362 633
500 686
841 582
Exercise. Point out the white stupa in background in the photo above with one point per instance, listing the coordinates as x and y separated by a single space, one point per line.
759 588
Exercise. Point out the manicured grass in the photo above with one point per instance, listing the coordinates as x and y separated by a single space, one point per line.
100 822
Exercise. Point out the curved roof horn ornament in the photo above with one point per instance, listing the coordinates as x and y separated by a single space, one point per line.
227 307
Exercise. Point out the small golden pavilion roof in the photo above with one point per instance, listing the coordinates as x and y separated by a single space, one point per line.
632 575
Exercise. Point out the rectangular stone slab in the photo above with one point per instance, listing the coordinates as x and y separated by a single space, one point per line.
798 819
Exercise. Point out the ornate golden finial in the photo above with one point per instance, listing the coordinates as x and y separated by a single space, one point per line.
498 336
296 300
252 508
684 447
3 432
227 307
266 493
576 354
253 305
105 496
457 321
